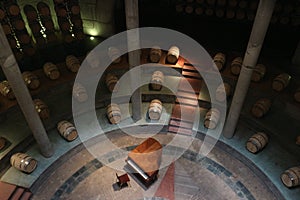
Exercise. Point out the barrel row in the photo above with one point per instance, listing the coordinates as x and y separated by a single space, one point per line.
172 56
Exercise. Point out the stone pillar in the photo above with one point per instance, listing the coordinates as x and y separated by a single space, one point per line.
133 42
259 29
15 79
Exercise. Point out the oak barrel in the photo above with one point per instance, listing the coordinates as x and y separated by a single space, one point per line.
72 63
51 71
2 142
155 109
30 12
257 142
223 91
219 60
114 54
155 54
111 81
261 107
212 118
14 10
236 65
18 24
258 73
2 14
23 162
43 9
291 177
6 90
113 113
281 81
67 130
31 80
79 92
297 95
41 108
157 80
173 55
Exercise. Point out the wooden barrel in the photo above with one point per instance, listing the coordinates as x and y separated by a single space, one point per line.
243 4
114 54
257 142
23 162
72 63
41 108
230 13
51 71
14 10
43 9
113 113
29 50
157 80
220 60
298 140
2 143
281 81
222 92
212 118
232 3
297 95
173 55
79 92
189 9
111 81
68 38
221 2
209 11
258 73
211 2
261 107
155 54
48 24
179 8
6 90
24 38
61 12
155 109
6 29
30 12
18 24
199 11
220 12
64 24
291 177
35 28
77 22
31 80
240 14
79 34
2 14
75 9
67 130
236 65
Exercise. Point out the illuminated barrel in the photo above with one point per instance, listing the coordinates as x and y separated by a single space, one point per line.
212 118
113 113
79 92
67 130
291 177
173 55
157 80
222 92
41 108
51 71
155 54
155 109
258 73
111 81
72 63
219 60
23 162
261 107
236 65
6 90
31 80
13 10
257 142
281 81
114 54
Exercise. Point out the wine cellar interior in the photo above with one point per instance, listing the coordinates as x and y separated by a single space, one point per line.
49 148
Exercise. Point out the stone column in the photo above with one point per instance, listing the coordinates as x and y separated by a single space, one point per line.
15 79
259 29
133 42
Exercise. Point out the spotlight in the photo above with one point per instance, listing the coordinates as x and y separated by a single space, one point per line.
92 38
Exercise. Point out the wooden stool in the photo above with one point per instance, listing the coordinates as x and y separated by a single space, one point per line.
123 180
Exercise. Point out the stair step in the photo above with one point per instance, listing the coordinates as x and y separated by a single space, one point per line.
190 68
181 124
6 190
187 115
190 85
187 95
17 194
26 196
191 74
185 101
176 129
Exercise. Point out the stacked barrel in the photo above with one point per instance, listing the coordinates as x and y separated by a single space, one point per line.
69 20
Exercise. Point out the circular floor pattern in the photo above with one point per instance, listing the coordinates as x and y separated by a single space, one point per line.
78 175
